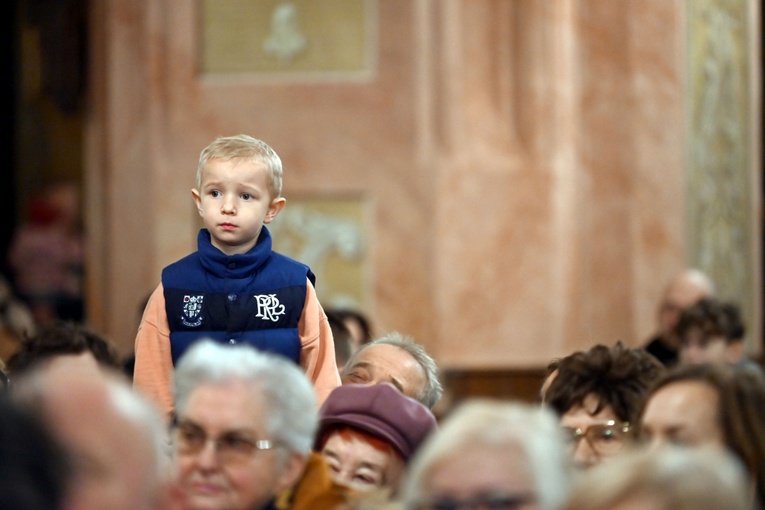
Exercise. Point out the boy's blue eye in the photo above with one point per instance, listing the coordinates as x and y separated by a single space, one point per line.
246 196
215 193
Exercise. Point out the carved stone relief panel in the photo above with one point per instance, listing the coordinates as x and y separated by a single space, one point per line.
328 234
721 177
285 38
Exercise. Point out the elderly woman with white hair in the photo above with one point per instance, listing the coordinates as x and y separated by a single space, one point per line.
491 454
244 427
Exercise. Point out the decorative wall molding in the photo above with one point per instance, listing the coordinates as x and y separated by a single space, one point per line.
292 41
722 209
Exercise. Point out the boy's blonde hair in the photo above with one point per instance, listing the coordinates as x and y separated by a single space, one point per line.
239 148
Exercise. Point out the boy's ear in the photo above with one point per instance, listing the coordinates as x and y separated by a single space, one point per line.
276 205
197 200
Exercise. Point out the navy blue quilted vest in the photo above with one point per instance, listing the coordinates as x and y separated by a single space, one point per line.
256 297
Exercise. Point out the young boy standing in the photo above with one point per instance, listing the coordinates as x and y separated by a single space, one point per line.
234 289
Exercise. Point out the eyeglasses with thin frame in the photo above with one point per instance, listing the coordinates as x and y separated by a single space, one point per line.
231 447
479 502
605 438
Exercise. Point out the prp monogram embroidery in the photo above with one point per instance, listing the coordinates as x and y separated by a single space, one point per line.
269 307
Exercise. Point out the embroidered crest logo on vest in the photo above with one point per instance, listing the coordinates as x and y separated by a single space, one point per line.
269 307
192 311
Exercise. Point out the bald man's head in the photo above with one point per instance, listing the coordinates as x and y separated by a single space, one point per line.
684 291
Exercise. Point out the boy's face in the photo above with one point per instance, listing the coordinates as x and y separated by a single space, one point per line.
234 202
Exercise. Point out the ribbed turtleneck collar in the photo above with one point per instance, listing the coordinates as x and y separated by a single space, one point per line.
241 265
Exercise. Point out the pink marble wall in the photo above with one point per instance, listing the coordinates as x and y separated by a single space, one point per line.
560 209
523 161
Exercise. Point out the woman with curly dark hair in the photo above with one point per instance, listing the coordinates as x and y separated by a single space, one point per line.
598 394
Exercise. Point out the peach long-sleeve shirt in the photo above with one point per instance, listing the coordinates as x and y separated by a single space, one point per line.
153 372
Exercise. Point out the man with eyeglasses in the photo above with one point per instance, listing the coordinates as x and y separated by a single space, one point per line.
597 394
396 359
243 430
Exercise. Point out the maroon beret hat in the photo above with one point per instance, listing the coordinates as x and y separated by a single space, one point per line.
380 410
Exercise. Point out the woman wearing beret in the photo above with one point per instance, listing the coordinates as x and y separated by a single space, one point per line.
367 434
